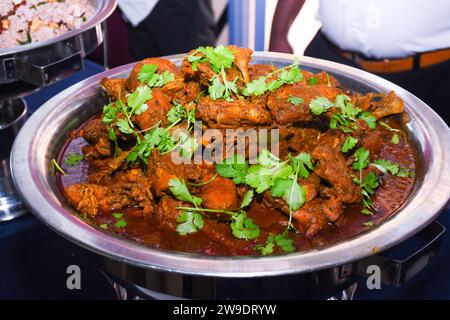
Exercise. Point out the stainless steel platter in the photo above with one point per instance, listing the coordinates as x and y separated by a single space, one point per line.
43 134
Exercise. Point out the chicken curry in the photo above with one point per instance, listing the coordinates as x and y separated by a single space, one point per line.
343 162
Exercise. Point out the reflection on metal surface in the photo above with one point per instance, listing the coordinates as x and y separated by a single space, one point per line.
12 116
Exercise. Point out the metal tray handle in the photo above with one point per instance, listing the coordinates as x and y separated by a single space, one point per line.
396 272
46 66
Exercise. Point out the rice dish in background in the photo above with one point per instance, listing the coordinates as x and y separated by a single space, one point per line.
27 21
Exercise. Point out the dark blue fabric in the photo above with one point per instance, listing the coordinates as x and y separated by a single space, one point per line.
34 259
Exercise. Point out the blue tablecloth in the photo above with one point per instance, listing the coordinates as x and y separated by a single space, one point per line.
34 259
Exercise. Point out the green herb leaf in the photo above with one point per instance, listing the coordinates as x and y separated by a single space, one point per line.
242 227
117 215
267 248
290 76
349 144
179 189
234 168
386 165
395 138
370 182
302 161
248 197
295 100
124 126
73 159
343 102
290 191
140 96
281 240
320 105
284 242
369 118
120 224
189 222
362 158
256 87
109 113
103 226
312 81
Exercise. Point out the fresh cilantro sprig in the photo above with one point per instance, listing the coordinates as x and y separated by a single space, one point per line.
120 222
248 197
281 240
345 119
242 227
234 168
287 75
349 144
180 191
218 58
148 76
320 105
189 222
295 100
73 159
395 137
385 166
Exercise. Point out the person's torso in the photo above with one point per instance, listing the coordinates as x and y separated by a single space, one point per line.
386 28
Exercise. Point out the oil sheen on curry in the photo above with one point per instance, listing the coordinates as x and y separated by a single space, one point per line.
343 162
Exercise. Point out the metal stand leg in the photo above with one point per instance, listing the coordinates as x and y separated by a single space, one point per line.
12 116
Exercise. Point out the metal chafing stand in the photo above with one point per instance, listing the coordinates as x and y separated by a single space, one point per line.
27 68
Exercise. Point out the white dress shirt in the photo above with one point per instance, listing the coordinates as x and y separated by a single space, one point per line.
386 28
136 10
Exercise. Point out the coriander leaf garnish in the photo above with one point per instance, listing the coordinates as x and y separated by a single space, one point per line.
368 224
248 197
343 102
109 113
262 175
148 75
395 138
179 189
267 248
362 158
219 58
295 100
135 100
312 81
320 105
124 126
290 75
55 166
120 222
281 240
189 222
103 226
73 159
234 168
302 161
242 227
386 165
349 144
369 118
290 191
117 215
287 75
256 87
